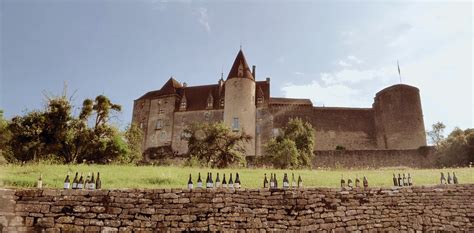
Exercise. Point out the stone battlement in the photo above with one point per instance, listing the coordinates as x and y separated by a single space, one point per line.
379 209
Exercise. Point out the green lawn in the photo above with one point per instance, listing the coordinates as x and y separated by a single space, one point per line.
127 176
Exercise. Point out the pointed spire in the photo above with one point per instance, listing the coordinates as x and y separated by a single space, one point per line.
240 68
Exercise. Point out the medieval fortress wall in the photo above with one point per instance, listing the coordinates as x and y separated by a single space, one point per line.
444 208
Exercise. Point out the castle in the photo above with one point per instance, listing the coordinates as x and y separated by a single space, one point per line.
395 120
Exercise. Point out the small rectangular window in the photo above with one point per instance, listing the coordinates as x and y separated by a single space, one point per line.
235 124
158 124
276 132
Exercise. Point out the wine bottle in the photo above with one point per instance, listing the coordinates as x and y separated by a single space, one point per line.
211 181
237 181
366 182
218 181
272 181
293 181
92 182
404 180
300 182
190 182
349 183
231 183
74 182
98 182
399 180
224 182
285 182
39 183
199 181
67 182
265 182
343 182
442 179
455 178
410 183
276 181
207 181
80 184
395 183
357 182
450 180
86 183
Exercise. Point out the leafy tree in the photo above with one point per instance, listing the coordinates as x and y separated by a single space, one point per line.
282 152
134 138
5 136
436 134
215 144
457 148
27 140
302 135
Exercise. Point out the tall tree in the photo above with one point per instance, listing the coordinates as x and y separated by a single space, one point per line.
27 140
301 136
436 133
134 138
215 144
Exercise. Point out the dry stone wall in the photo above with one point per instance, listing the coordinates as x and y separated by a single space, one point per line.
375 209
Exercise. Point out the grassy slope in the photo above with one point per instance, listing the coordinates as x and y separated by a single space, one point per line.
118 176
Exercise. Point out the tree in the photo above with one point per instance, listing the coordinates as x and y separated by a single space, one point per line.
5 136
27 139
282 153
456 149
436 134
215 144
134 138
302 135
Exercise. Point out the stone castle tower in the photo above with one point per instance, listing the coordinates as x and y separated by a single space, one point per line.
394 122
239 106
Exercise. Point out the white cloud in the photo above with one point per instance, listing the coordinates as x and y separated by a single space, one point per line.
332 95
352 76
354 59
343 63
203 18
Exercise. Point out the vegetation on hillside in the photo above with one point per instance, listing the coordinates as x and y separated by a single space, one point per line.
456 150
56 134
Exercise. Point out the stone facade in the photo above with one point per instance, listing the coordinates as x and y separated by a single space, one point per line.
395 120
436 208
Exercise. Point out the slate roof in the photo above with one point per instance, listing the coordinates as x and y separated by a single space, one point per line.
240 62
290 101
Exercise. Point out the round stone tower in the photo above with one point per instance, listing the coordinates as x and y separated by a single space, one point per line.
399 118
239 105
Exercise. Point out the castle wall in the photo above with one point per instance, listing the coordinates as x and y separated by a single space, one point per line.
184 119
416 208
399 118
414 158
141 111
240 104
159 130
352 128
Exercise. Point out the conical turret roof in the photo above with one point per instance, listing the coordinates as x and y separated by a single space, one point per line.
240 68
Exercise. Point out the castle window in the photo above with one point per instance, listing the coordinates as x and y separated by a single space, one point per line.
162 135
207 115
276 132
222 102
161 111
158 124
260 100
183 105
235 124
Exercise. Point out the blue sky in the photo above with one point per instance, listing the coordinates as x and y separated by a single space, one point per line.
335 53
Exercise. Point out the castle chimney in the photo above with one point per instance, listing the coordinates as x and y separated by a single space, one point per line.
185 84
268 80
253 71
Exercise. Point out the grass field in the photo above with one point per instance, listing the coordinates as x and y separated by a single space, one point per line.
128 176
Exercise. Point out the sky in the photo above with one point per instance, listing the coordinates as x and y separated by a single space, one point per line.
336 53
